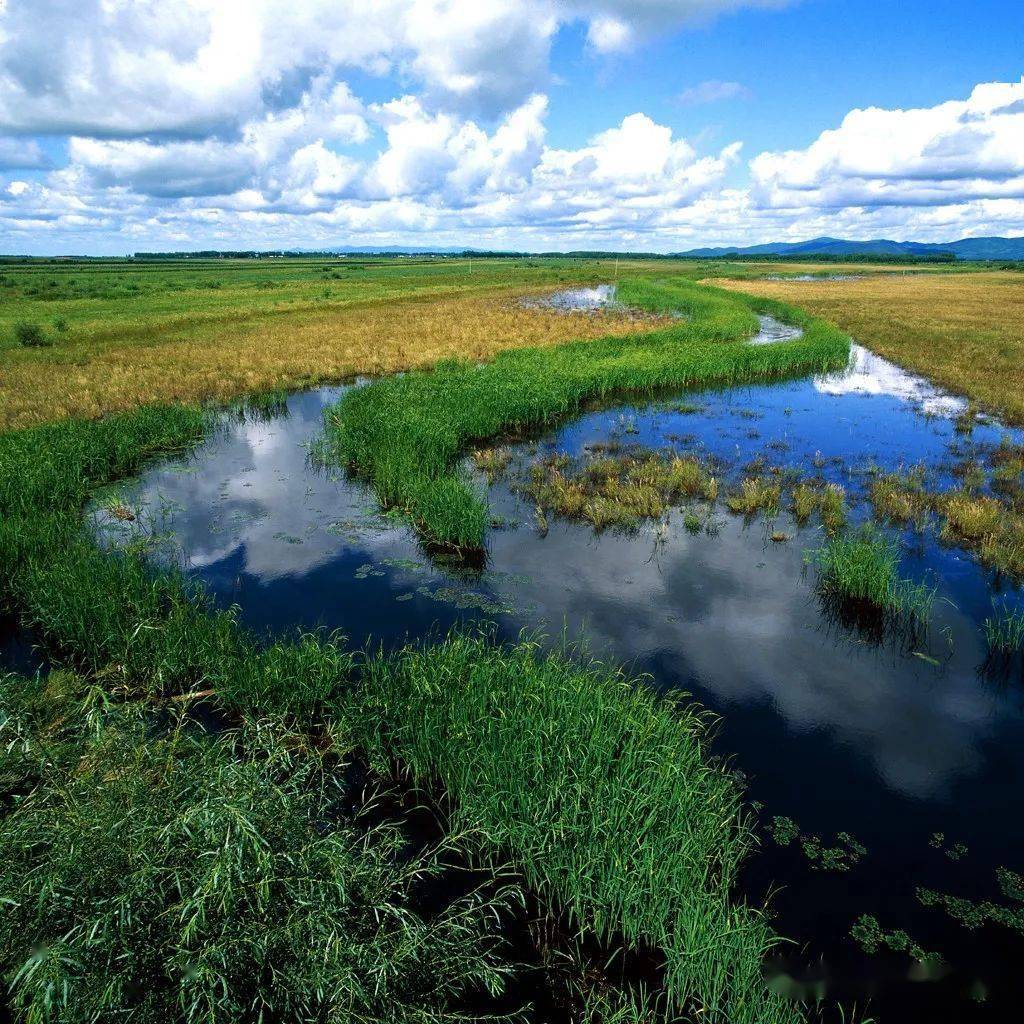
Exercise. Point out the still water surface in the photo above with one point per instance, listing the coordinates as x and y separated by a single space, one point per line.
890 742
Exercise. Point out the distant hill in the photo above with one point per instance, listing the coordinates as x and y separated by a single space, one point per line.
993 248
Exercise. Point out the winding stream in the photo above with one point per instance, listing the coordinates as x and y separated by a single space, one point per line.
890 742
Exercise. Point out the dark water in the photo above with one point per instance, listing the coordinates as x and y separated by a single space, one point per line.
890 742
18 649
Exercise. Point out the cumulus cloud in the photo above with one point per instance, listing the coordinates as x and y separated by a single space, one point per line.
953 153
278 152
621 24
125 68
235 123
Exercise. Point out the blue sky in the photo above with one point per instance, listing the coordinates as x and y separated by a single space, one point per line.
805 66
627 124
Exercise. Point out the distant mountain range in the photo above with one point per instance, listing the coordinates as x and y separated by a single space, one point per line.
992 248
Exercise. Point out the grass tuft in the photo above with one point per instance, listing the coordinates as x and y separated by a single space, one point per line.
863 568
1004 631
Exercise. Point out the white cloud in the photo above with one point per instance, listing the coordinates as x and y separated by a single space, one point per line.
712 91
205 122
953 153
607 34
621 24
126 68
22 155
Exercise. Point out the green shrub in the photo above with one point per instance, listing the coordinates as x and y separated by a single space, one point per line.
31 335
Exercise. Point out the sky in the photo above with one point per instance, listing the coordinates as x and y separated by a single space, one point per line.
633 125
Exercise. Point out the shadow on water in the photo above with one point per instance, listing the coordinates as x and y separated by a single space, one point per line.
832 722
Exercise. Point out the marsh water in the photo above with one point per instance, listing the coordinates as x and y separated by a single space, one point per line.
911 745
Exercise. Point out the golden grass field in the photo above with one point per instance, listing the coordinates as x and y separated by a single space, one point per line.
179 340
963 330
288 351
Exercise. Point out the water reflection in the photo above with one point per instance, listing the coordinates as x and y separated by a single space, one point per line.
890 742
869 374
771 331
597 297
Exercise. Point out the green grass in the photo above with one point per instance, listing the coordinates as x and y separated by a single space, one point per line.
599 793
863 567
406 434
602 795
169 876
1004 630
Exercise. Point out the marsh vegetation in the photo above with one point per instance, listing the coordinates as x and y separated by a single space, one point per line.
487 822
405 434
964 331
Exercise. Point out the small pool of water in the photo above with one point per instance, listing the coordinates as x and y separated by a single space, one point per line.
814 277
771 331
574 300
891 742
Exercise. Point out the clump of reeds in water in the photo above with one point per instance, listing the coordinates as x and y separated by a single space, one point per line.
619 490
1004 631
756 494
829 501
861 569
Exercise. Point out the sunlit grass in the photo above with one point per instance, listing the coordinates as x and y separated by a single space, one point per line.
618 491
138 334
991 527
862 567
964 330
756 494
602 795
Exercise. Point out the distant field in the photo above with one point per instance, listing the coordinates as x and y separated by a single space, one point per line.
963 330
125 333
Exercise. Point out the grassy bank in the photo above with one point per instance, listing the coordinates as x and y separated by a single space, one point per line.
406 434
963 330
602 795
599 793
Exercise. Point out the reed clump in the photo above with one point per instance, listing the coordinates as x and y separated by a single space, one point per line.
862 568
1004 630
901 498
986 523
756 494
621 490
